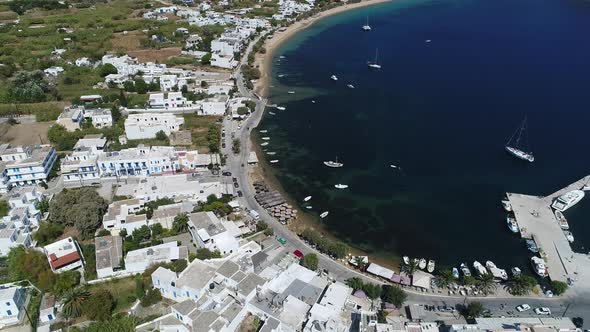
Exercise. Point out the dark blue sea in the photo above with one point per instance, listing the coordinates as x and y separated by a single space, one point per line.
442 111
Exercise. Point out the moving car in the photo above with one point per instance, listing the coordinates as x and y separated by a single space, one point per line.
298 253
523 307
281 240
543 311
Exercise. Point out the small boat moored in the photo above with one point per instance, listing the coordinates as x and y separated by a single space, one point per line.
324 214
272 113
532 246
274 161
280 108
350 86
422 264
455 273
512 225
569 236
507 206
334 78
291 92
306 199
516 272
539 266
266 138
465 270
341 186
406 260
481 271
561 220
430 266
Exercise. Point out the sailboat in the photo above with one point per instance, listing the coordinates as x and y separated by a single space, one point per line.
514 146
367 27
334 164
375 64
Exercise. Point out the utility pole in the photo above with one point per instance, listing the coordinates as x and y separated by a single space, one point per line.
566 309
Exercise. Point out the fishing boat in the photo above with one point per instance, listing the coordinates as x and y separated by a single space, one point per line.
264 144
306 199
516 272
334 164
455 273
481 271
569 236
507 206
271 153
532 246
350 86
334 78
515 145
567 200
266 138
512 225
264 131
422 264
280 108
375 63
495 271
539 266
324 214
367 27
274 161
290 92
561 220
272 113
465 270
341 186
406 260
430 266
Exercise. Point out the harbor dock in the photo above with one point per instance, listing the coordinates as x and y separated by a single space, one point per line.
537 221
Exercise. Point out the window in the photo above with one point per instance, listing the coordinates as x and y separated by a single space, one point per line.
50 317
8 303
8 313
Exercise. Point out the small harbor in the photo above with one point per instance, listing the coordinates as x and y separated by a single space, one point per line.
537 221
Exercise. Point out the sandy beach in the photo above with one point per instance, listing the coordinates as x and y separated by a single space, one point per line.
264 61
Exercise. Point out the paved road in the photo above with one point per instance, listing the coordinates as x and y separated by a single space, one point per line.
237 164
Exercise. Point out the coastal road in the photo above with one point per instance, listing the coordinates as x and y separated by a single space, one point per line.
563 306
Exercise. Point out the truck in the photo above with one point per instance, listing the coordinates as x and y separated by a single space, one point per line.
255 215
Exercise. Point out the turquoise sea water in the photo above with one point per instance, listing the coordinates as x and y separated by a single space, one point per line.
442 111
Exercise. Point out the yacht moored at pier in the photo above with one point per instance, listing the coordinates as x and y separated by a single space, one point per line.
455 273
532 246
561 220
422 264
507 206
495 271
539 266
512 225
481 271
465 270
567 200
430 266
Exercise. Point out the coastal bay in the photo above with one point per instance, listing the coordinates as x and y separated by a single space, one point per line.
442 111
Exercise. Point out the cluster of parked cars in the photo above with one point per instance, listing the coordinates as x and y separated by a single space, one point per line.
539 311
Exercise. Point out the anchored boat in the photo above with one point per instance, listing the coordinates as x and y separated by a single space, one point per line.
334 164
406 260
430 266
306 199
375 63
516 147
512 225
539 266
422 264
334 78
324 214
507 206
367 27
567 200
341 186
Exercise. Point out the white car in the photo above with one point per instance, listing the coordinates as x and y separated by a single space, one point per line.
543 311
523 307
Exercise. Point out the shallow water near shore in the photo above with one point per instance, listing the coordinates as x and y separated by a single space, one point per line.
440 110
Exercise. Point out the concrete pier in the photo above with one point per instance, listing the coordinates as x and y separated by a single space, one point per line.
537 221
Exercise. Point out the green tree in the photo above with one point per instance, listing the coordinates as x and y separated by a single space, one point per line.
373 291
180 223
310 261
486 283
559 287
261 225
27 264
65 281
107 69
142 233
115 113
99 306
82 208
236 146
445 278
474 309
42 205
521 285
412 267
243 110
120 323
152 296
48 232
355 283
73 302
338 250
161 136
269 232
141 86
469 280
393 295
206 59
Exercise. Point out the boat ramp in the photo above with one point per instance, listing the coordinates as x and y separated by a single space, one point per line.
537 221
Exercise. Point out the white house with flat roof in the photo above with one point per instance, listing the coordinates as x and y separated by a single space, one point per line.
109 254
64 255
12 301
215 105
181 186
101 118
79 167
13 235
27 165
167 100
121 215
147 125
137 261
209 232
71 118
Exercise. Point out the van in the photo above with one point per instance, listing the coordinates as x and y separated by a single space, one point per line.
255 215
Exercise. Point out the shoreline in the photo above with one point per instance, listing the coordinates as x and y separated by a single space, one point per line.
264 61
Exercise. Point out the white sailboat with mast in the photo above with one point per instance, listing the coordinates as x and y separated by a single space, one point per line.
367 27
375 64
517 145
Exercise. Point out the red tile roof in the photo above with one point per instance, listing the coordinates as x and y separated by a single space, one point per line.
57 262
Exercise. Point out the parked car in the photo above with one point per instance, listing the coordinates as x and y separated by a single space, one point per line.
298 253
281 240
543 311
234 179
523 307
223 145
236 185
226 173
240 194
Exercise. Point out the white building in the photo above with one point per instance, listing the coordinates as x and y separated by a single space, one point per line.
121 215
146 125
215 105
80 168
109 254
137 261
64 255
53 71
83 62
192 41
26 197
181 186
13 301
13 235
209 232
328 311
168 83
71 118
166 101
27 165
101 118
47 310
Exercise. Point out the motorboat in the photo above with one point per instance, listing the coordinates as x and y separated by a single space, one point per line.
281 75
290 92
516 272
495 271
309 207
455 273
394 166
430 266
341 186
539 266
313 101
465 270
271 153
532 246
324 214
512 225
561 220
272 113
517 145
281 108
422 264
567 200
406 260
306 199
274 161
427 41
334 78
569 236
282 57
350 86
264 144
480 269
264 131
266 138
507 206
334 164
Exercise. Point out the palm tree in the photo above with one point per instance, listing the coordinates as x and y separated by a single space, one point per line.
412 267
486 283
360 263
73 300
445 279
521 285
